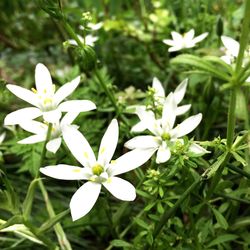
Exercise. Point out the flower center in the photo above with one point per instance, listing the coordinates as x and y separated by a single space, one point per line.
97 169
166 136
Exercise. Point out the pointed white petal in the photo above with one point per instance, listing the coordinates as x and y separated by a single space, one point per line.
22 115
226 59
186 126
66 172
54 145
33 139
143 141
231 45
176 36
180 91
169 42
52 116
84 199
121 189
43 79
108 143
129 161
189 35
183 109
169 113
163 154
23 94
139 127
2 137
90 40
175 48
77 106
34 127
79 146
197 149
66 90
157 86
69 118
200 38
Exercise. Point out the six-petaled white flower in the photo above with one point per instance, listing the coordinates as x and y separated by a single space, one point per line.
164 134
187 40
46 100
40 131
159 100
89 40
98 172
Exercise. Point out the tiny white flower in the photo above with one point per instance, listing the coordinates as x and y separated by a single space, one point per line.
40 131
93 26
98 172
187 40
89 40
164 133
46 100
197 150
232 48
159 100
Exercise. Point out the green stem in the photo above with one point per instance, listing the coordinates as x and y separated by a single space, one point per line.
239 171
231 118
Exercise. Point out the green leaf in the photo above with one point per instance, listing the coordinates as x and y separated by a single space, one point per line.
120 243
28 201
220 219
141 223
16 219
222 238
241 105
241 223
238 158
202 64
51 222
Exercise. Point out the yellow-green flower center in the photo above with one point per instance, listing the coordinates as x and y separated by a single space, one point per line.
97 169
166 136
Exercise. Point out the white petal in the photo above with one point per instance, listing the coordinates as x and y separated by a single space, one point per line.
66 90
143 141
180 91
175 48
23 94
169 42
2 137
69 118
197 149
72 42
52 116
186 126
200 38
183 109
108 143
77 106
43 79
121 189
139 127
231 45
226 59
169 113
54 145
22 115
163 154
34 127
176 36
157 86
33 139
79 146
129 161
65 172
189 35
90 40
84 199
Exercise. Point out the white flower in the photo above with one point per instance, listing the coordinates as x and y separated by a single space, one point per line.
196 150
89 40
232 48
187 40
40 131
98 172
46 100
159 100
164 134
93 26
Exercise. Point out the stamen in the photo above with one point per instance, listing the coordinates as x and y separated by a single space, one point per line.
34 90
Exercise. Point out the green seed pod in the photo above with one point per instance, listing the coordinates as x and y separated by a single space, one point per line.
86 57
219 27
